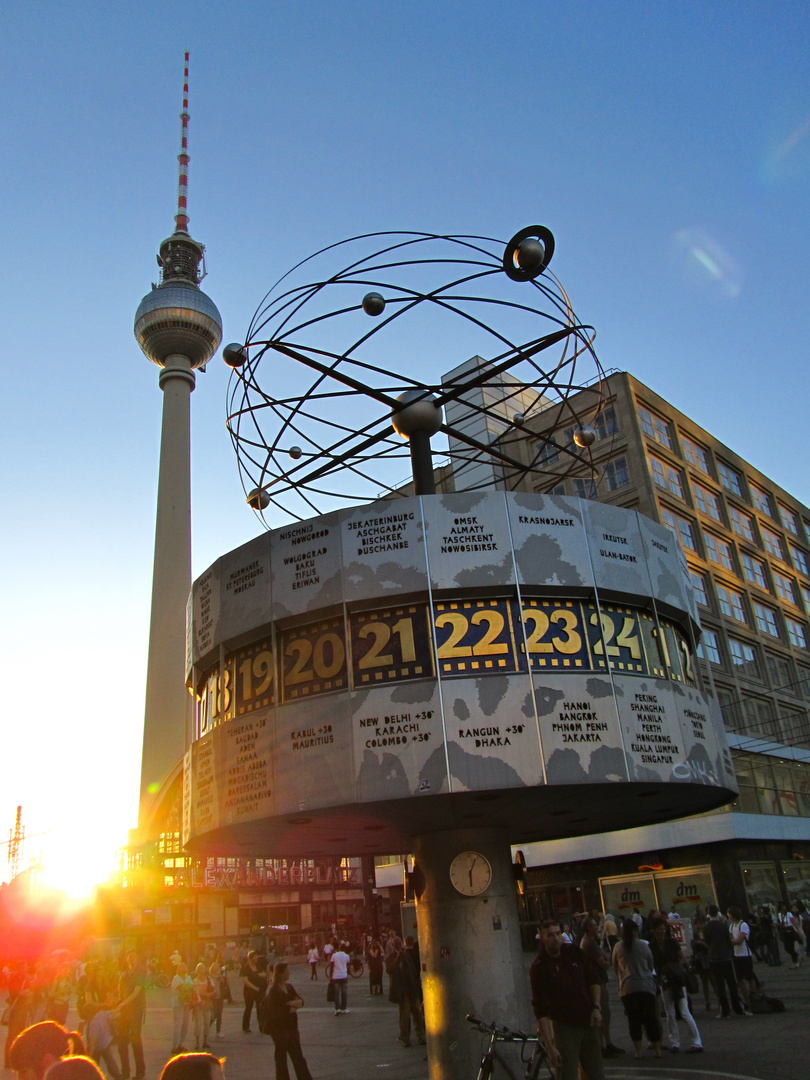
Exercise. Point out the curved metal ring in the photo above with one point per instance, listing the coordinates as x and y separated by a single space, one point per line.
510 264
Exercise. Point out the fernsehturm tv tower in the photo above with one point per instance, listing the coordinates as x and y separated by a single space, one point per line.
178 328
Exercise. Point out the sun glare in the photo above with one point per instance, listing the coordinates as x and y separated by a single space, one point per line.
77 872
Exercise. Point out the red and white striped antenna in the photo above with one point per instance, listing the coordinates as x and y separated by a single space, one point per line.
181 217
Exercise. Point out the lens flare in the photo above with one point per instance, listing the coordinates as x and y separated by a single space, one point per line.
701 253
789 158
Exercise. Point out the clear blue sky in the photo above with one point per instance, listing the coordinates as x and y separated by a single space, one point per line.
667 145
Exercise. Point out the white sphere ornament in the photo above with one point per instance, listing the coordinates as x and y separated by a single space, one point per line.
584 436
258 499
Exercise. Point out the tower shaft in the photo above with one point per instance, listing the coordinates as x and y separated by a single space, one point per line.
168 705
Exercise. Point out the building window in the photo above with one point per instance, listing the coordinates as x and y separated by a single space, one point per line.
805 597
655 427
547 453
760 499
804 682
753 571
708 649
681 527
605 423
718 551
743 657
789 520
699 588
784 587
558 490
729 478
741 524
799 559
771 542
766 620
796 634
585 489
757 712
780 674
616 474
706 502
695 455
731 603
666 477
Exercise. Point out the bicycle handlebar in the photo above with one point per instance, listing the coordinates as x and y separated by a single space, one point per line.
502 1034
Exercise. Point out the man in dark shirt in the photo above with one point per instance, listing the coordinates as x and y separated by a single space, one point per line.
566 995
131 1009
721 962
590 946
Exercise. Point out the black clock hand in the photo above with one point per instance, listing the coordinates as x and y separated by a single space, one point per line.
471 870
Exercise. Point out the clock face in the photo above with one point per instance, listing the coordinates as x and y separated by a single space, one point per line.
470 873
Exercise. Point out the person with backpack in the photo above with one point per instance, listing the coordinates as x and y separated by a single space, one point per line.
743 957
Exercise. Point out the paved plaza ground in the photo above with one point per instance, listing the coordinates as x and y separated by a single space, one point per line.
363 1044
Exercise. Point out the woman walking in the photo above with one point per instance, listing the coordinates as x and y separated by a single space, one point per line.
635 971
283 1004
668 958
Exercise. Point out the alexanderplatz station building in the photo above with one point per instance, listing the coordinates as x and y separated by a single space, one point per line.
489 655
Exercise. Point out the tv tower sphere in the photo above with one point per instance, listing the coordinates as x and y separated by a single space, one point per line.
177 318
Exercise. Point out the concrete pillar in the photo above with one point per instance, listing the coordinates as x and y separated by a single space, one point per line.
470 949
168 704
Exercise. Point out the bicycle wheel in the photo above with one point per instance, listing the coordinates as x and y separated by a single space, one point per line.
356 969
163 980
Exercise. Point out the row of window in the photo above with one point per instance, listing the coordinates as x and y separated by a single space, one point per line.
658 429
743 658
616 474
670 480
763 718
604 424
753 570
733 605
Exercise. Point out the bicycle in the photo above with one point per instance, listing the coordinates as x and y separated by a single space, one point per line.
538 1065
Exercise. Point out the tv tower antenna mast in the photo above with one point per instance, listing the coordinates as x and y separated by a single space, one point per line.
178 328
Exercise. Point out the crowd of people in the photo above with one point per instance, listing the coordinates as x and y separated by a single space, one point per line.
571 977
111 1003
580 965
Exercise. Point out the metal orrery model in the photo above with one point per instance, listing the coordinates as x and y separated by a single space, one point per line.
447 659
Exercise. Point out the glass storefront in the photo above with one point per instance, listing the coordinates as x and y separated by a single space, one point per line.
796 875
761 884
770 785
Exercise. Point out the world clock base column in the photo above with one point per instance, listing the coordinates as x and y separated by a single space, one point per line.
469 944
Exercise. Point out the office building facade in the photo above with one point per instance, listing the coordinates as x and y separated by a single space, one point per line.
747 544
